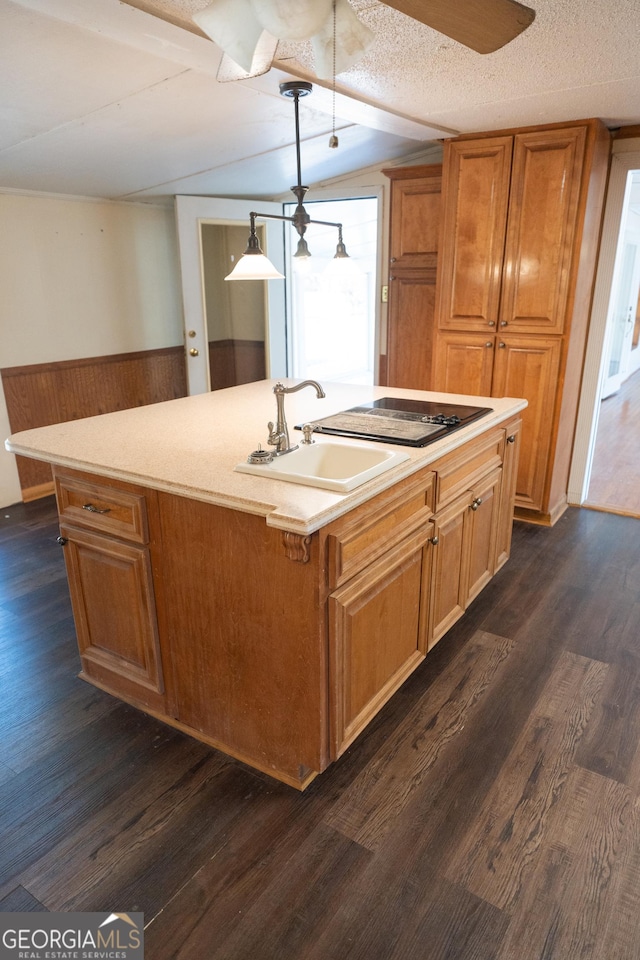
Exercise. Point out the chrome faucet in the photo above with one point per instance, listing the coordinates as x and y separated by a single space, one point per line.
279 433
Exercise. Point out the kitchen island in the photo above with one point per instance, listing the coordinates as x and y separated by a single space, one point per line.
269 619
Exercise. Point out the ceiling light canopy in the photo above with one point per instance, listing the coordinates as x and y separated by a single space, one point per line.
254 265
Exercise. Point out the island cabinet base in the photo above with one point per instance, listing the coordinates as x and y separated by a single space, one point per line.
274 647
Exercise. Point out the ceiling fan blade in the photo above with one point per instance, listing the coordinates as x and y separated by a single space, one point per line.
482 25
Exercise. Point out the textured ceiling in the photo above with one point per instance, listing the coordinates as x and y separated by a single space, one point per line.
114 99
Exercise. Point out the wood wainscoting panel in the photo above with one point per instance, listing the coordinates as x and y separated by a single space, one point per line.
41 394
232 362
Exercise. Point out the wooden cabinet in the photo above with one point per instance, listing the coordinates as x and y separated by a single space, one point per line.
105 533
473 493
530 367
406 569
507 494
378 628
465 552
413 252
464 360
476 180
380 562
509 366
520 224
276 647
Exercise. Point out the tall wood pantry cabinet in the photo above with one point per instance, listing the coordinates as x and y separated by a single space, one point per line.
521 215
413 253
506 311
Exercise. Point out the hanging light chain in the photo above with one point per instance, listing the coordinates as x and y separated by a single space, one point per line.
333 140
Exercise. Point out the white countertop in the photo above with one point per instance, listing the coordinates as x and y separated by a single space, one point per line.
189 447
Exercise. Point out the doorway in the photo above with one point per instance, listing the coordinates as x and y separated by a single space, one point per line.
613 483
605 465
212 232
613 486
332 303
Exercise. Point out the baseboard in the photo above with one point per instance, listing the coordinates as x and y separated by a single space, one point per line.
38 492
538 517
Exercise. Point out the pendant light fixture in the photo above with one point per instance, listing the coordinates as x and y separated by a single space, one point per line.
254 265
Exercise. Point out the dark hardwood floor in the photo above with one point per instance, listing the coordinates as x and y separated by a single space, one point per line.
490 812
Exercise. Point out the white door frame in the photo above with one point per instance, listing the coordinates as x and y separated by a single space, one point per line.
622 316
625 158
190 213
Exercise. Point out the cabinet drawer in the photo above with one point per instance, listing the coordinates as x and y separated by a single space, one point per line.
460 471
371 530
103 508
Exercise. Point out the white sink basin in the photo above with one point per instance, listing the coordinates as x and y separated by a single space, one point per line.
332 466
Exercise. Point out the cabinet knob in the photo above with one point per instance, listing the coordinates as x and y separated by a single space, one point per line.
502 344
489 343
435 541
491 323
392 260
475 503
62 541
91 509
194 352
504 323
511 439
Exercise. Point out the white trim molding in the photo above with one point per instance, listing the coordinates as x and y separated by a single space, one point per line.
625 158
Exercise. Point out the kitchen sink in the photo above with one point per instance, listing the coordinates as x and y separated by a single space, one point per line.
332 466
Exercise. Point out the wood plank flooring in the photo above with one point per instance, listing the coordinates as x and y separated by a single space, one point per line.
490 812
615 475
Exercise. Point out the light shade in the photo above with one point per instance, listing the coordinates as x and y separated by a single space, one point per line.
353 38
254 266
233 25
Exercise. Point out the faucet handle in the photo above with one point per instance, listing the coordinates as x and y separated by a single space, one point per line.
307 430
273 433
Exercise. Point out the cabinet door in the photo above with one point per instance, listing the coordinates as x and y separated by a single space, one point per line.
449 589
508 492
538 266
378 628
463 363
528 367
114 610
481 532
475 193
465 538
415 221
410 329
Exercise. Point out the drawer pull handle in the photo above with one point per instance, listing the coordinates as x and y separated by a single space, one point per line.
90 507
476 503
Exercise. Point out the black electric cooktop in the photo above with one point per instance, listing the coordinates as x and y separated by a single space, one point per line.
412 423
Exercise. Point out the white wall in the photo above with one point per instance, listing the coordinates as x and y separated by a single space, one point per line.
82 278
87 278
